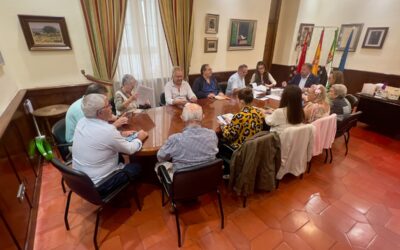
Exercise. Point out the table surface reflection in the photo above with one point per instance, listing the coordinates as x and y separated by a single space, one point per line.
161 122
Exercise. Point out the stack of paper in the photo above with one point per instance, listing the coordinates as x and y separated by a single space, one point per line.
224 118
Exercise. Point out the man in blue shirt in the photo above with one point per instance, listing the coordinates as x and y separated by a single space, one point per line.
75 113
206 86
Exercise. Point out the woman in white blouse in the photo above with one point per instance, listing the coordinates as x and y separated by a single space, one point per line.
262 76
290 112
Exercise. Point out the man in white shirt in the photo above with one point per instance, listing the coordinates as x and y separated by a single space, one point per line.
177 91
236 81
97 144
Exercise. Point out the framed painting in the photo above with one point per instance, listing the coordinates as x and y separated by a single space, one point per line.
212 22
344 34
301 35
45 32
210 45
242 34
375 37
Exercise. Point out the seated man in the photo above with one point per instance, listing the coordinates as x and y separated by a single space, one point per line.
75 113
236 81
339 104
206 86
305 79
97 144
195 145
177 91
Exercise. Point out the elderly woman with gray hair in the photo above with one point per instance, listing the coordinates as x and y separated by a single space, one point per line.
339 104
125 98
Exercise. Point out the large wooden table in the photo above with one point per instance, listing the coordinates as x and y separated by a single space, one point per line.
161 122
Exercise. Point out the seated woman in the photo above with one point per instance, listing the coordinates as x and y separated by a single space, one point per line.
244 124
318 103
339 104
125 98
290 111
262 76
335 77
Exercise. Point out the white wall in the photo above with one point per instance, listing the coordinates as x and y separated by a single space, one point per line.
30 69
383 13
225 60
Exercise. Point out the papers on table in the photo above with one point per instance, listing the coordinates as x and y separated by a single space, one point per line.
273 97
225 118
145 95
261 88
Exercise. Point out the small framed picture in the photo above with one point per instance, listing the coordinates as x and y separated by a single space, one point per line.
345 31
212 21
45 32
242 34
210 45
375 37
302 33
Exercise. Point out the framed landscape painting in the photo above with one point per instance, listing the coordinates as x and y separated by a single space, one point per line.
375 37
242 34
45 33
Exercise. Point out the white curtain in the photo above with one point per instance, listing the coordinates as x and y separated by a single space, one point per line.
144 52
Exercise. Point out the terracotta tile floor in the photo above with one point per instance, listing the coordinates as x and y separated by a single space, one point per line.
352 203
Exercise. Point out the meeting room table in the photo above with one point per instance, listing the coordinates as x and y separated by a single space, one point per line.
161 122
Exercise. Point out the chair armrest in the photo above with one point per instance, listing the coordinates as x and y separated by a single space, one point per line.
228 147
64 145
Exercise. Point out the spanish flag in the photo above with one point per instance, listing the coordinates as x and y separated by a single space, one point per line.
318 54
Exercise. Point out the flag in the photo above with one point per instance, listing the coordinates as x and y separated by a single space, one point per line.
345 52
333 49
303 53
317 54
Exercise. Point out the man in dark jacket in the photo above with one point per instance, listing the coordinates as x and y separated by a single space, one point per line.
206 86
305 79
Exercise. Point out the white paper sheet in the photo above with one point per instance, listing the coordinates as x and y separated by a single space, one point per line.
145 95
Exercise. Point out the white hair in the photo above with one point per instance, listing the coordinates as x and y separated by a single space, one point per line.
127 79
92 103
192 112
176 68
340 90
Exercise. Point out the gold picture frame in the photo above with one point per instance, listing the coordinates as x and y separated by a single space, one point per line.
45 32
210 45
212 23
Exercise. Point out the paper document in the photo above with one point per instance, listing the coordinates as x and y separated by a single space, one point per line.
224 118
218 97
145 95
273 97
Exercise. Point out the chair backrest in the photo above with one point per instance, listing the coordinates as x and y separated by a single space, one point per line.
197 180
78 182
162 99
352 100
58 131
325 131
113 108
347 123
223 86
296 149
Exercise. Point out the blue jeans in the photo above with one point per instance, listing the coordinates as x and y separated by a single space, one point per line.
132 169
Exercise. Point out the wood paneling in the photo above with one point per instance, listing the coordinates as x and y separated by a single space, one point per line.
272 30
354 79
16 168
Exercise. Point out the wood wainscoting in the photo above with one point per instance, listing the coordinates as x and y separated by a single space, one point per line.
354 79
17 169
